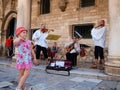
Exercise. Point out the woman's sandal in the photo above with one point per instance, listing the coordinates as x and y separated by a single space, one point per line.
30 88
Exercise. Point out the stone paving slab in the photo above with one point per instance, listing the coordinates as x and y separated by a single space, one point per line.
40 86
80 87
118 86
94 80
66 85
79 79
88 84
5 84
107 85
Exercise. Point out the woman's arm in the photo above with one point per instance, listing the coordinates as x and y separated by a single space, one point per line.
32 50
33 54
16 41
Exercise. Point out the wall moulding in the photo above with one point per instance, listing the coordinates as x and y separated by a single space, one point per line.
62 4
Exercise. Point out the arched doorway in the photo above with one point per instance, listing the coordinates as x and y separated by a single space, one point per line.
7 29
10 32
11 27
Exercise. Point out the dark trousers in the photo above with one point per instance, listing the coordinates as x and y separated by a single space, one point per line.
99 52
72 57
39 49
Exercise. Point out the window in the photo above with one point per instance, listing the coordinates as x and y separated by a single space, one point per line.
83 29
45 6
87 3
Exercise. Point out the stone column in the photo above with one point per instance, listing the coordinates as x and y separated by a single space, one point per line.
24 14
112 66
23 17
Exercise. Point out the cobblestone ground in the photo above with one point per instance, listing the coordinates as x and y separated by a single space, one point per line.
40 80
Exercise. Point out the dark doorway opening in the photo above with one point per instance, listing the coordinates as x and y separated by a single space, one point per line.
11 27
10 32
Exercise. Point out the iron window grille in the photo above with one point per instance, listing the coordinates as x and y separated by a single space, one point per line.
83 29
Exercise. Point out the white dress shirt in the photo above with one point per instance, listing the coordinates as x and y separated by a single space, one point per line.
99 36
39 38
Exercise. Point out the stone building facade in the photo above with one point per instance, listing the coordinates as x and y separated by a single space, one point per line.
58 20
63 16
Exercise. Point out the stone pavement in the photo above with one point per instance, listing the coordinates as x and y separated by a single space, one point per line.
80 79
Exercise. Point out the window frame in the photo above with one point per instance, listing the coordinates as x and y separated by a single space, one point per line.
42 5
86 5
90 25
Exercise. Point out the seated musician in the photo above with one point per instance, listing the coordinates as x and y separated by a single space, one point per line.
72 50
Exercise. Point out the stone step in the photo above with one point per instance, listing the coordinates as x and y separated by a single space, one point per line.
86 73
94 73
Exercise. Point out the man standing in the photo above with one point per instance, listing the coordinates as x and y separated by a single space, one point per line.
99 37
39 38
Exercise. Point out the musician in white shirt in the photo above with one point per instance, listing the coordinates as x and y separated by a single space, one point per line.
99 37
39 38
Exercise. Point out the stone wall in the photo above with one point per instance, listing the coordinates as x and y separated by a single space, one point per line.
61 21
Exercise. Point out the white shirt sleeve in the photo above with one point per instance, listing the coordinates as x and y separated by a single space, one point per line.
35 35
97 34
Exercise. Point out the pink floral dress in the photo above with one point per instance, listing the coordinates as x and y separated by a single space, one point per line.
23 56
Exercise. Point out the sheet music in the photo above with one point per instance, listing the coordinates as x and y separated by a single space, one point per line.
52 64
53 37
60 63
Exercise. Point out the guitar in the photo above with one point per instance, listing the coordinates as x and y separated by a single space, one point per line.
70 47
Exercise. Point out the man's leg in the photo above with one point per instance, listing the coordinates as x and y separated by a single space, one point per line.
38 50
45 55
102 61
69 57
74 59
95 63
